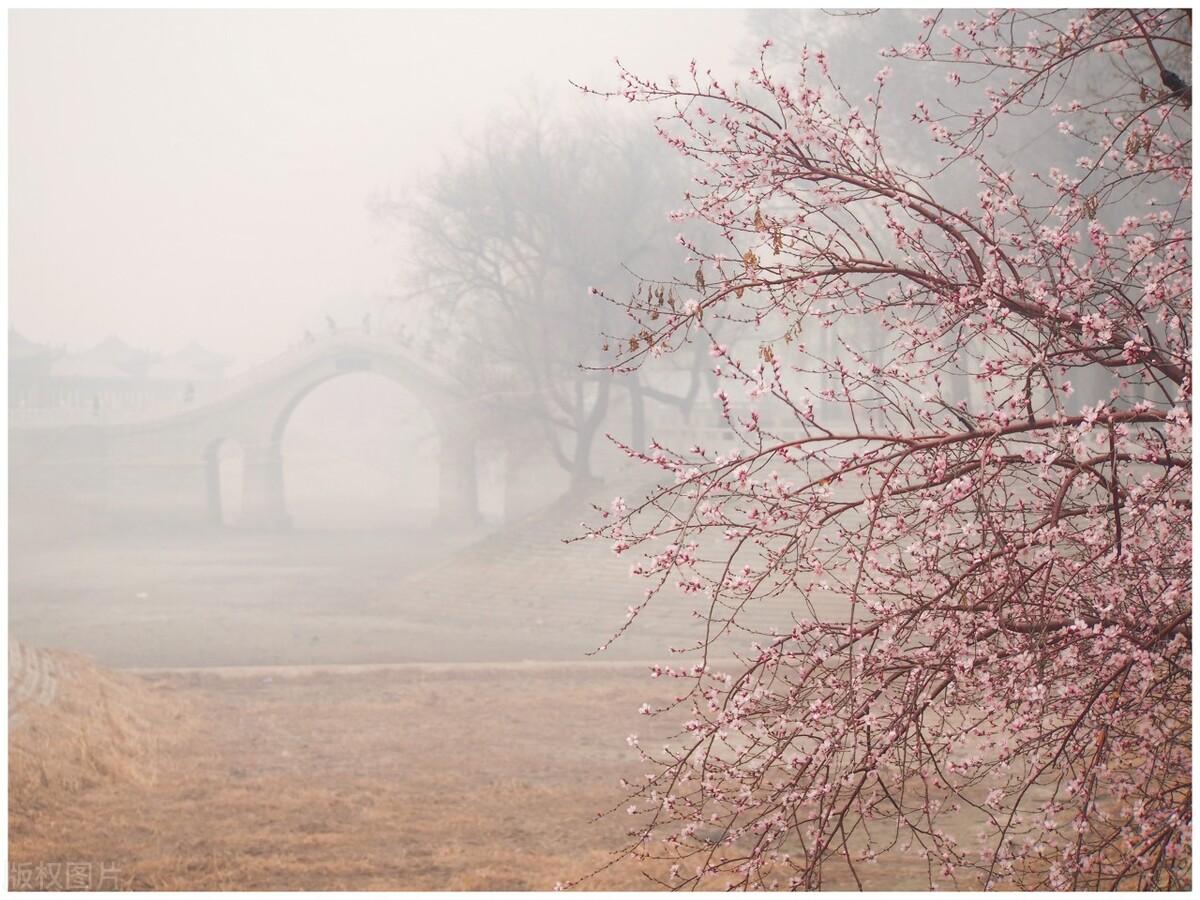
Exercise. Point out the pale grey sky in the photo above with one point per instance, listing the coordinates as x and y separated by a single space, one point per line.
206 174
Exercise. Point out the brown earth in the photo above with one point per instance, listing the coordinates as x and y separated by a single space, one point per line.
398 778
406 777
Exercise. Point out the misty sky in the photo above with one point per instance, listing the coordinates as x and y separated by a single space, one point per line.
206 174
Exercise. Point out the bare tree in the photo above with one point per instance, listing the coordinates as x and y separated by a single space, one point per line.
508 240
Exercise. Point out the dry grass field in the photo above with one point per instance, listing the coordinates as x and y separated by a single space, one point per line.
403 778
357 778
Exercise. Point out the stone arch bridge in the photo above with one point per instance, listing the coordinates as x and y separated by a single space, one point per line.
163 466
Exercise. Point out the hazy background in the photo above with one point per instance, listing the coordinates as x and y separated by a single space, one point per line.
206 175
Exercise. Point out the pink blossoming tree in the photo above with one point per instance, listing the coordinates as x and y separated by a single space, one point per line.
1011 639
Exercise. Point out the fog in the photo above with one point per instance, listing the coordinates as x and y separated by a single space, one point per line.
208 174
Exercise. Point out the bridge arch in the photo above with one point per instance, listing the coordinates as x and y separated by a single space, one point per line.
360 451
265 501
164 456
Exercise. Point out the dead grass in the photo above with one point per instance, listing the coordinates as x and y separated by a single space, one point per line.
74 726
411 779
376 780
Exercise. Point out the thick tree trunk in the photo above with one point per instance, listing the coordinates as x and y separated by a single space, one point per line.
585 436
637 413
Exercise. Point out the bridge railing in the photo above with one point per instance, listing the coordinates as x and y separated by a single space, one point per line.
201 393
290 359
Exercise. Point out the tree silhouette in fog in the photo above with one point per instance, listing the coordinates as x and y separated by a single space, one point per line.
508 237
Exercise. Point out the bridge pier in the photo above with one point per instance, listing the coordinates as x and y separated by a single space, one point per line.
458 489
264 507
